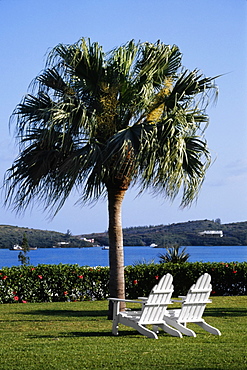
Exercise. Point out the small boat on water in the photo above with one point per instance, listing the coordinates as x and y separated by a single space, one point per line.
17 247
105 248
153 245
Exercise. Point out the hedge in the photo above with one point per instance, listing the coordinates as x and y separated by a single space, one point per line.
53 283
227 278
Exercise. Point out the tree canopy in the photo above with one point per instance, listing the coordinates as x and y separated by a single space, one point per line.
131 115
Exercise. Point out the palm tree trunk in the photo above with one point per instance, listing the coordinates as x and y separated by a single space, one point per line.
116 252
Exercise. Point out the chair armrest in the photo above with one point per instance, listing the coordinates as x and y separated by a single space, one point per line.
180 299
123 300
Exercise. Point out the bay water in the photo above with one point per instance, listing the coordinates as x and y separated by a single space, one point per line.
133 255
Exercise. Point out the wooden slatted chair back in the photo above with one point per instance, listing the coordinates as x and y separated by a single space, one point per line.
158 301
196 299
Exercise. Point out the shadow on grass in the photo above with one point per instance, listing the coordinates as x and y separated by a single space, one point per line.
71 335
65 313
224 311
122 334
213 312
81 334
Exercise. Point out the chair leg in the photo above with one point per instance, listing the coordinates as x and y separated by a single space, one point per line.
115 326
169 330
144 331
115 320
208 328
155 329
180 327
139 327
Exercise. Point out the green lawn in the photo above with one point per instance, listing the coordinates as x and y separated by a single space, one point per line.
77 335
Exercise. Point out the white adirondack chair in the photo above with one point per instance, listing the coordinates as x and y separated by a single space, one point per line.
193 306
153 309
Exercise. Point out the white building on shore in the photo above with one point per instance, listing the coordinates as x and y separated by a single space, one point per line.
218 233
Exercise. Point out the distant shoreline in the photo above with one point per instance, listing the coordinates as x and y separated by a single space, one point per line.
190 233
125 246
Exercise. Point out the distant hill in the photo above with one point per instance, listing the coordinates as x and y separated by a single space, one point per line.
186 234
10 235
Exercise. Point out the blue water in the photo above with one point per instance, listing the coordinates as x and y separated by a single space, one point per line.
133 255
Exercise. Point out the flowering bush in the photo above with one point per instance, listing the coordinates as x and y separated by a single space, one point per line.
53 283
227 278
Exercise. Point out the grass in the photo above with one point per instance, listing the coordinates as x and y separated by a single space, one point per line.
77 335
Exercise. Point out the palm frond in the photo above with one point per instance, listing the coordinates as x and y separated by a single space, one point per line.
157 61
50 78
32 111
96 119
190 86
121 60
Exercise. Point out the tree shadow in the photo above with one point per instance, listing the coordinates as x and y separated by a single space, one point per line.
122 333
81 334
65 313
225 312
71 335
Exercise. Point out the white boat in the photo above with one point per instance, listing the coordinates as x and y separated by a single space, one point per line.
105 248
17 247
153 245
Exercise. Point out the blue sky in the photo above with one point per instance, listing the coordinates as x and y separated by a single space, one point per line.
211 34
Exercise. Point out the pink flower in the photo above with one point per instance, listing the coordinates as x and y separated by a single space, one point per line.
33 268
234 272
226 265
81 277
40 276
157 277
16 298
135 282
5 277
65 293
24 301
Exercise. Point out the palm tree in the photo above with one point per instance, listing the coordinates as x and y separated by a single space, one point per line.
100 122
174 255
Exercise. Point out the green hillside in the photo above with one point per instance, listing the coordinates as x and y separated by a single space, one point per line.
10 235
186 233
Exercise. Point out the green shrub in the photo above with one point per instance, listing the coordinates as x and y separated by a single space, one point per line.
174 254
59 283
53 283
227 278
